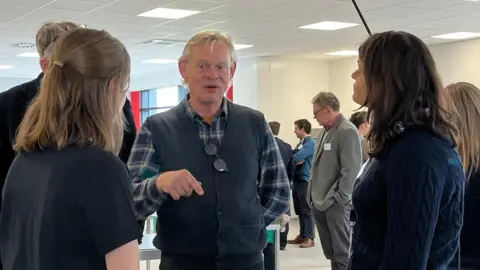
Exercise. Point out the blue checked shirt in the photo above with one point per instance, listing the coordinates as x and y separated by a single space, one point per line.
273 185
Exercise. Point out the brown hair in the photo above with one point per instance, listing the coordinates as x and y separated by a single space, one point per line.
49 33
466 101
275 127
358 118
304 124
79 101
323 99
403 86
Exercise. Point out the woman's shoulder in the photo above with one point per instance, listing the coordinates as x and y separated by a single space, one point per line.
423 145
427 150
90 158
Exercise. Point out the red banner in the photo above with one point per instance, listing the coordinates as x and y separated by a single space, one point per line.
135 100
230 92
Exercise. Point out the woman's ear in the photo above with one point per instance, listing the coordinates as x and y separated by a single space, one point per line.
44 64
114 85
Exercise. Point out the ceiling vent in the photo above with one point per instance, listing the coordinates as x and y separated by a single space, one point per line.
162 42
22 45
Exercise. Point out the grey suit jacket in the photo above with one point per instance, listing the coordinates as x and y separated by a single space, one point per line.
336 164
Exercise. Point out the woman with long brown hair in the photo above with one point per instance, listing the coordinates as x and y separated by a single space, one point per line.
67 200
466 100
409 198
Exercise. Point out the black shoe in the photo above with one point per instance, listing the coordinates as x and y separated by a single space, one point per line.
282 248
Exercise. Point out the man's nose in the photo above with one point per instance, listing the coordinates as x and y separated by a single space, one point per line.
211 73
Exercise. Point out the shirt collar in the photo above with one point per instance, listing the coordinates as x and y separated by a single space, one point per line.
194 115
332 122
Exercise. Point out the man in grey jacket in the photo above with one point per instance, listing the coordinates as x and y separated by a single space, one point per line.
337 159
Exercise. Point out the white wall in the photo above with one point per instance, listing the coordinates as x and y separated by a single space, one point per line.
245 87
341 83
156 79
456 61
286 88
7 83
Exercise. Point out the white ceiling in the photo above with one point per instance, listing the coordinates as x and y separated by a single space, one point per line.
270 25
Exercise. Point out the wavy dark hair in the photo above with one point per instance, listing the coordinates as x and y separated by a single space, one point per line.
403 86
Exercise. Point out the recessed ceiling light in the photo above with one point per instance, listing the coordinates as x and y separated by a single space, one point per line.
328 25
242 46
343 53
29 54
458 35
160 61
5 67
168 13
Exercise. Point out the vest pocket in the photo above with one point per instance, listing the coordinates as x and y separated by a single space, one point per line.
254 219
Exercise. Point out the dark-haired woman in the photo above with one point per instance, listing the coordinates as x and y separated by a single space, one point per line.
409 199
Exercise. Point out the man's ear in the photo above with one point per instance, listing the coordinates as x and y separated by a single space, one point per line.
44 63
233 68
182 67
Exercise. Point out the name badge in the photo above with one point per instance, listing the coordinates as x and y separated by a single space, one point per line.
327 146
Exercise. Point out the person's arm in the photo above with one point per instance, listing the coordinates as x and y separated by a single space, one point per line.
290 166
274 187
306 151
414 194
129 133
350 163
106 201
125 257
6 152
144 170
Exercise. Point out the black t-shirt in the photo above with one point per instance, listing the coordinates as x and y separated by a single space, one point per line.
65 210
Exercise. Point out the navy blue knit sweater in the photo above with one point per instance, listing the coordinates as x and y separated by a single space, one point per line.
409 205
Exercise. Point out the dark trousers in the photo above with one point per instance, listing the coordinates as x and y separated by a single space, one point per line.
180 263
302 209
283 236
269 256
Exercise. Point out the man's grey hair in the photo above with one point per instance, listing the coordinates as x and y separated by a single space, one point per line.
49 33
210 37
324 99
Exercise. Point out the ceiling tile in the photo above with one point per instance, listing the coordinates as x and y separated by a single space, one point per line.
195 5
430 4
74 5
270 25
26 3
97 19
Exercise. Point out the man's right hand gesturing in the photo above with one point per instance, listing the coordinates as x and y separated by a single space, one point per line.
179 184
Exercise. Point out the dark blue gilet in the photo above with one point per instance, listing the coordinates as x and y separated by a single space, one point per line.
226 223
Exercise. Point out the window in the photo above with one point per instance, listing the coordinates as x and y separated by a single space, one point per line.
159 100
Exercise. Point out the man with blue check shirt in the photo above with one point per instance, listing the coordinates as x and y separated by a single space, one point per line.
210 169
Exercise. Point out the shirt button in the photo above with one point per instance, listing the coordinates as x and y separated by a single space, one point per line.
219 213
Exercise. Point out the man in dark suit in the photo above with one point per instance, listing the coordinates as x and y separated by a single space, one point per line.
287 156
14 102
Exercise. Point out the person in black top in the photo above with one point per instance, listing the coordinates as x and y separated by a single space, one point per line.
67 199
286 152
409 198
466 100
15 101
